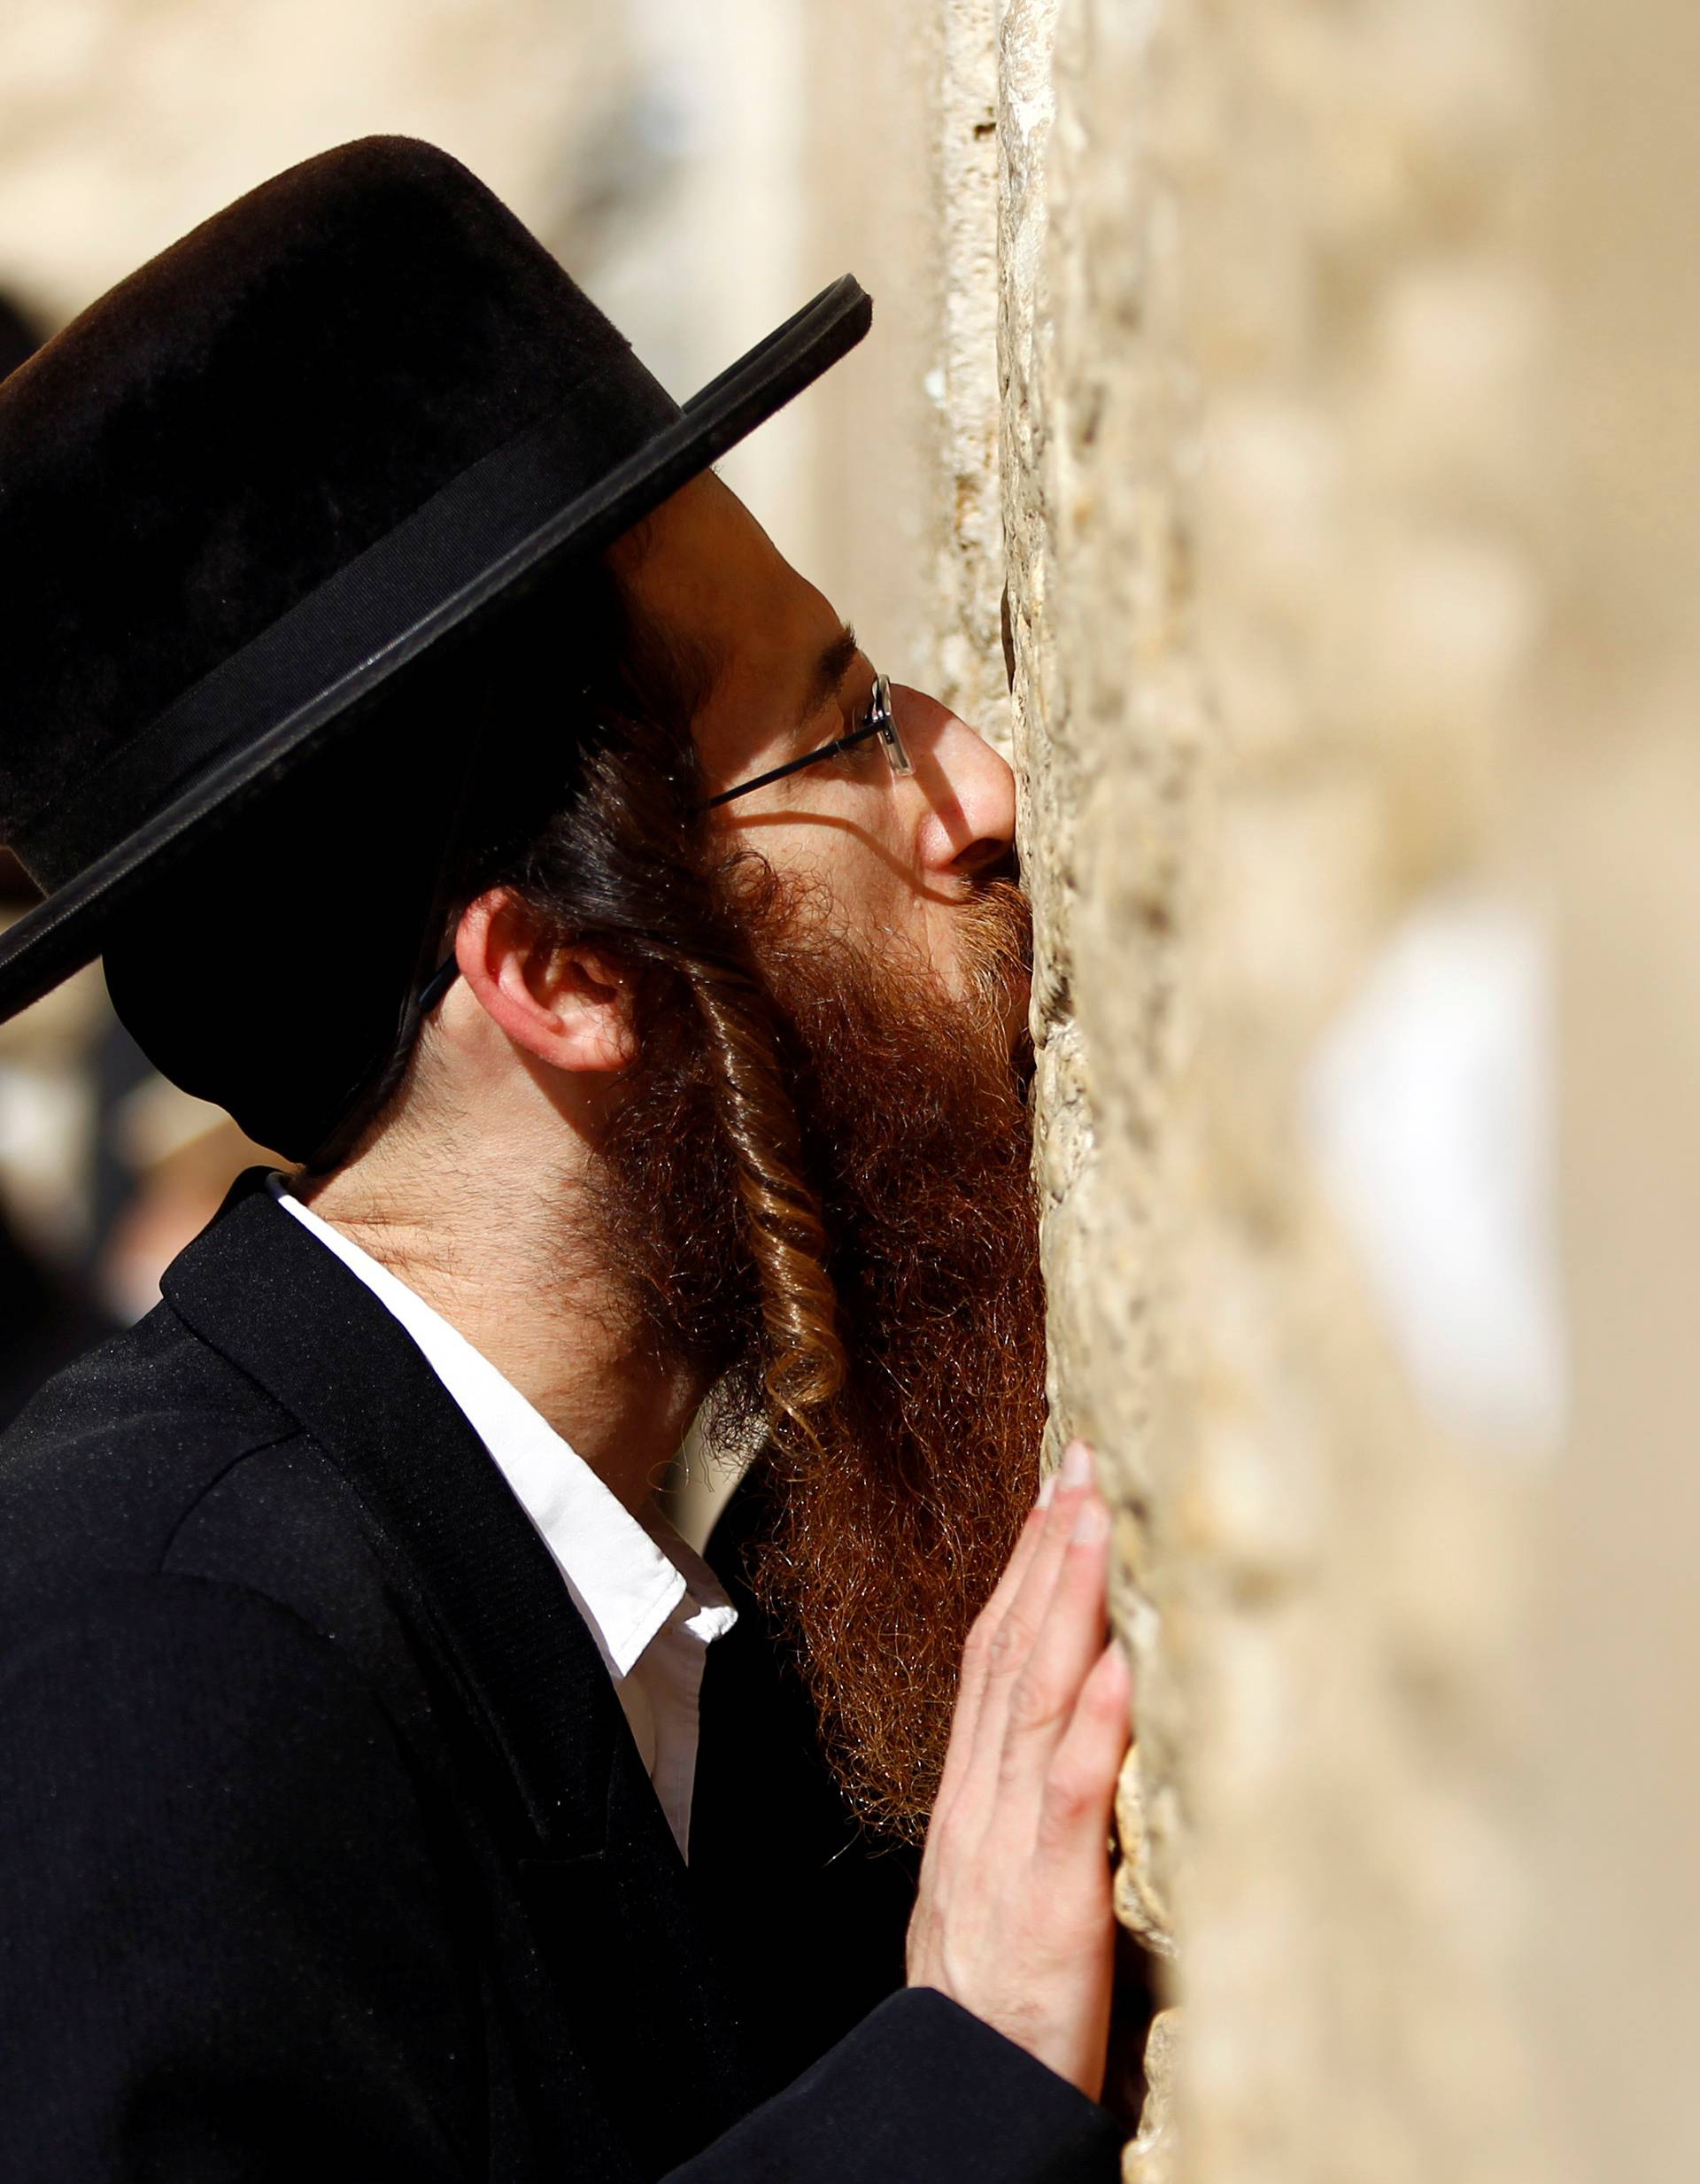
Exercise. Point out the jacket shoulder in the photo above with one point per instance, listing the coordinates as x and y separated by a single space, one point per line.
106 1466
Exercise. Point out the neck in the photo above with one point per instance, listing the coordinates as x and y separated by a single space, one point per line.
501 1261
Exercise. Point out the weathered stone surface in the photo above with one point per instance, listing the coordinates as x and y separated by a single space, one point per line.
1174 887
1614 1972
1266 342
1149 2157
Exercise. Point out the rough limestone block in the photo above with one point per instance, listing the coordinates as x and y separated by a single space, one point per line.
1265 345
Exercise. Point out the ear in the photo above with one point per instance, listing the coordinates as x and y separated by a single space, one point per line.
570 1007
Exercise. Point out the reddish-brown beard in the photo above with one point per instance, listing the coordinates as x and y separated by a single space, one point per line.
897 1499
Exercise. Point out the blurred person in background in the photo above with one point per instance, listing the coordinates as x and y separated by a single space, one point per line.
468 800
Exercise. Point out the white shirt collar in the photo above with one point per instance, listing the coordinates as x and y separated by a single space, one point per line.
628 1575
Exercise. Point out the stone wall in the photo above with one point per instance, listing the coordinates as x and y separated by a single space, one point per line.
1271 328
1614 1973
1215 264
1345 406
1267 345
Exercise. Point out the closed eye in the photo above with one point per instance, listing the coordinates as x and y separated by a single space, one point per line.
864 749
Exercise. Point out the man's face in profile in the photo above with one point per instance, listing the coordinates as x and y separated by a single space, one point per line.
780 674
894 945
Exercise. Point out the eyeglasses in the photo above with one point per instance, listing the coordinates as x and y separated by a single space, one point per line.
878 721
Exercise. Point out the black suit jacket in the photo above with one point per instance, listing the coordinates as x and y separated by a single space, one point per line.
325 1850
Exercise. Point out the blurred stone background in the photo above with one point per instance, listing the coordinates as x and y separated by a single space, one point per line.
1280 422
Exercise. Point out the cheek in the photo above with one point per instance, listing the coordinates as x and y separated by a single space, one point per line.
868 880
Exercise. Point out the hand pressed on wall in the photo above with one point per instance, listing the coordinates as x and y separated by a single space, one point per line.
1014 1917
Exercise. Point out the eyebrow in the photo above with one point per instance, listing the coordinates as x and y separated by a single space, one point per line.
836 659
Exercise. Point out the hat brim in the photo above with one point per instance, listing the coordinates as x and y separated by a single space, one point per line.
307 677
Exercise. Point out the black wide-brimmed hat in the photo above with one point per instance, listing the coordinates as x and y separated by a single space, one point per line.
341 422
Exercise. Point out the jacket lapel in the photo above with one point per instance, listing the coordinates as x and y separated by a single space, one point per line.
607 1891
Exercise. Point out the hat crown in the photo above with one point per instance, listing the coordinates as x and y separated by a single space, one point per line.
264 510
244 416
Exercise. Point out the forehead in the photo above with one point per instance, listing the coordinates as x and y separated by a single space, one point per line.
704 569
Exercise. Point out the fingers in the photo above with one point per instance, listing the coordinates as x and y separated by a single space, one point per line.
1025 1611
1014 1917
1069 1638
977 1656
1079 1793
1007 1646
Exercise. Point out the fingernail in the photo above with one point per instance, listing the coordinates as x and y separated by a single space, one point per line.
1077 1465
1092 1524
1048 1487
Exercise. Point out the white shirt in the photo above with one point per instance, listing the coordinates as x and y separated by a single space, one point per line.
652 1606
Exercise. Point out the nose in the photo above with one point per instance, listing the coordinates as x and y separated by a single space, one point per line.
969 824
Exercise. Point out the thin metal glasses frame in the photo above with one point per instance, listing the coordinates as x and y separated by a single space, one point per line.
879 720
